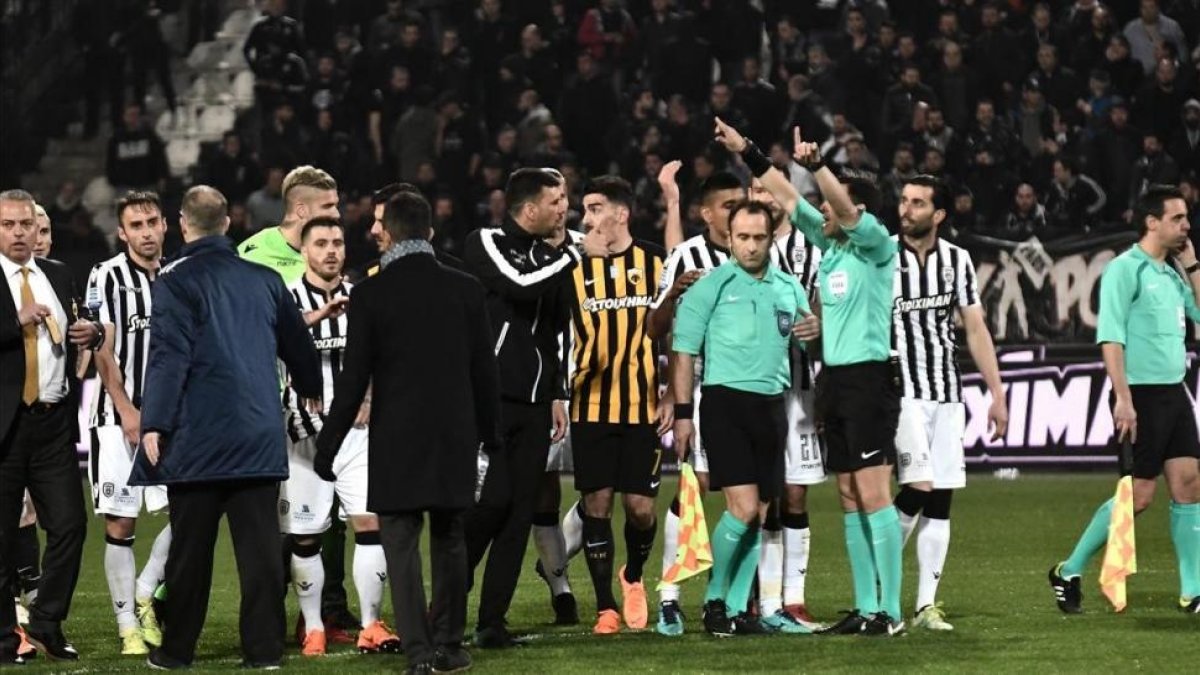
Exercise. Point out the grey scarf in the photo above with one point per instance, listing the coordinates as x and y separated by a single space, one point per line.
403 248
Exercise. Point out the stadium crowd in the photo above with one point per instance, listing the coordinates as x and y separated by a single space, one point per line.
1047 119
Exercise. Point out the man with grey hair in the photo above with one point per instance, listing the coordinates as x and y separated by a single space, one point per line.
219 322
39 396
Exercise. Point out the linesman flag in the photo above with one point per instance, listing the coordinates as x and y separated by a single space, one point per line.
1120 555
695 552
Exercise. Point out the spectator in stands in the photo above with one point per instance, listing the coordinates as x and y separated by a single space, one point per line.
326 89
789 49
1088 50
1149 28
859 162
1154 167
264 207
239 223
659 31
1185 142
1126 73
1026 218
387 104
413 140
1032 120
385 30
534 119
452 68
610 35
66 203
449 229
340 153
1040 31
495 34
823 77
955 85
934 164
551 152
1158 102
137 159
1075 201
275 51
1190 187
282 141
990 153
1099 100
233 171
758 101
587 109
1113 152
964 218
858 61
900 100
411 53
1061 87
537 65
806 109
94 29
460 142
904 167
947 31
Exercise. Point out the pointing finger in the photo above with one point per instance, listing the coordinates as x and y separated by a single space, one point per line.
796 136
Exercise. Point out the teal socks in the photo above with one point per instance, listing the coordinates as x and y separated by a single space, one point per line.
887 542
726 539
745 571
1093 539
862 563
1185 534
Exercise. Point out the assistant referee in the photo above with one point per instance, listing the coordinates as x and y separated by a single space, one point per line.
744 315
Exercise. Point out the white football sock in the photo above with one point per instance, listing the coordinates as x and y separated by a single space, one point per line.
669 592
552 551
119 569
796 544
572 533
907 524
154 569
308 578
770 572
933 542
370 578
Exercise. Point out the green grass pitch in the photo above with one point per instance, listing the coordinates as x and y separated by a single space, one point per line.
1006 535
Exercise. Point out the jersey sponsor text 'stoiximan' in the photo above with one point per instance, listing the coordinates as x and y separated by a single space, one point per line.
615 378
123 291
329 336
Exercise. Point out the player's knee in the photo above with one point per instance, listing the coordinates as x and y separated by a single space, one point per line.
305 546
797 499
1142 501
744 509
598 504
119 528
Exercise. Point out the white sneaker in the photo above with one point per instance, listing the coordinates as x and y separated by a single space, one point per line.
932 617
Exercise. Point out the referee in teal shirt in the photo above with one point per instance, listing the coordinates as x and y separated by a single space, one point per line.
743 317
1145 305
858 402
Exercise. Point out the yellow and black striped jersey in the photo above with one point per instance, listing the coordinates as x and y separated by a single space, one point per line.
616 371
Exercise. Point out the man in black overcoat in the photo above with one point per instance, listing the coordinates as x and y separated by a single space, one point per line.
419 336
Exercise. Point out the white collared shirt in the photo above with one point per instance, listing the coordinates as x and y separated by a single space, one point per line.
52 362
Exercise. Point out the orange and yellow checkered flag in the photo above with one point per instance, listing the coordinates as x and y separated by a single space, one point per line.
695 551
1120 555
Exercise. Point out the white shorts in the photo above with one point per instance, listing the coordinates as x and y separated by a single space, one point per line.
28 515
804 465
929 443
109 464
699 456
306 501
560 457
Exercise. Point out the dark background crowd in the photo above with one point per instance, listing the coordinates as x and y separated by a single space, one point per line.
1046 119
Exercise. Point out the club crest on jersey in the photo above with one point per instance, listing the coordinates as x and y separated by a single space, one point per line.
948 275
635 275
783 321
798 255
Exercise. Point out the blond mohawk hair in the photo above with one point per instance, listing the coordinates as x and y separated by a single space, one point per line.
306 177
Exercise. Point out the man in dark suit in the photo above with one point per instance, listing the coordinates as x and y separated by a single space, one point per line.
39 397
420 337
212 429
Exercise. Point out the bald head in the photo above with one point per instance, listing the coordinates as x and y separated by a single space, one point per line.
204 213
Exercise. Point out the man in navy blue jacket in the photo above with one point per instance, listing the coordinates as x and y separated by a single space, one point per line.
213 429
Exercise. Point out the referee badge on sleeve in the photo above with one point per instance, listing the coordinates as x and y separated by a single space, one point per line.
783 321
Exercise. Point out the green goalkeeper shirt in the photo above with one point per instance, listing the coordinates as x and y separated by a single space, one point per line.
269 247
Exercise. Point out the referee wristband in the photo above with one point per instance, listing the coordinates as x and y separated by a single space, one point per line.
1193 268
755 159
684 411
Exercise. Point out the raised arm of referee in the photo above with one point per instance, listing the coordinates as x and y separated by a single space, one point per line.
526 279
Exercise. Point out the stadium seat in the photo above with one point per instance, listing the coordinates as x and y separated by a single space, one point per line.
214 121
182 155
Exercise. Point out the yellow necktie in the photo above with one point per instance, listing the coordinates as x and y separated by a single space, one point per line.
32 381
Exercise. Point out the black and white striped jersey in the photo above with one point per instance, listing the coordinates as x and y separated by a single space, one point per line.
799 257
121 289
329 335
923 329
697 253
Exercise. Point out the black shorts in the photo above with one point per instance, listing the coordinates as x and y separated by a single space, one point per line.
858 406
1166 427
624 457
744 436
